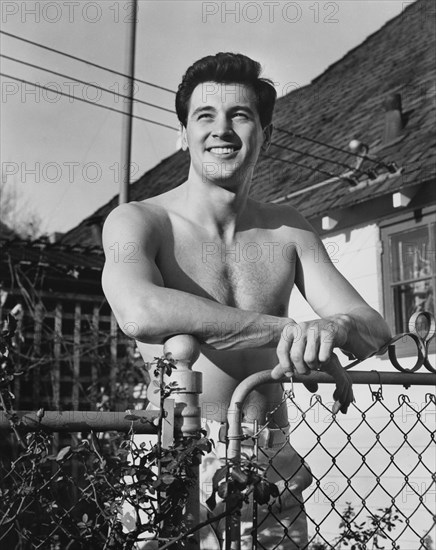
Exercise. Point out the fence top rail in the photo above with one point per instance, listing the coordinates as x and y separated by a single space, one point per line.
357 377
142 422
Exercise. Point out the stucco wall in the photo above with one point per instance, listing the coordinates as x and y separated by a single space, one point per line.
355 254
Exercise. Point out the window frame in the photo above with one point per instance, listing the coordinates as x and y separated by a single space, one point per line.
389 229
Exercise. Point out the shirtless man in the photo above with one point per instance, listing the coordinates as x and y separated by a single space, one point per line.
215 264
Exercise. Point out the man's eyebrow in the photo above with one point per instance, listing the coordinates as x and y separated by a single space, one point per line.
243 108
199 110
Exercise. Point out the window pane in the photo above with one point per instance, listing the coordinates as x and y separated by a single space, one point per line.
412 298
410 255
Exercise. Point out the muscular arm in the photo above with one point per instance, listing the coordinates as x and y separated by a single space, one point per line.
356 327
347 321
151 313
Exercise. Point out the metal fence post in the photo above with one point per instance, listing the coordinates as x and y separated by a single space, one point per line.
234 436
185 350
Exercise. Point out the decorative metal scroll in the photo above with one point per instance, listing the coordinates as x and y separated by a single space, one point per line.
422 338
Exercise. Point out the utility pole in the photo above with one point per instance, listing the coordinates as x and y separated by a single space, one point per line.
127 138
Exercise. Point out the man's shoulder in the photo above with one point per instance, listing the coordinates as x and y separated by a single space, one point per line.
139 221
284 214
146 211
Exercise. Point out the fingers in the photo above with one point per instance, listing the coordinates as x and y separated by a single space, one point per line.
278 372
291 351
284 368
297 347
326 342
309 346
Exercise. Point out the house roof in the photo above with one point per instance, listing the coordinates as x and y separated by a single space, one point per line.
344 103
61 259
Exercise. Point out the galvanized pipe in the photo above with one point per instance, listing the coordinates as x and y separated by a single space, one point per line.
83 421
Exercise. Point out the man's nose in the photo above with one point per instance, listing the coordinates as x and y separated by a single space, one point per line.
222 127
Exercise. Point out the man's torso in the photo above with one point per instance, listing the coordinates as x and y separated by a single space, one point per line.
255 272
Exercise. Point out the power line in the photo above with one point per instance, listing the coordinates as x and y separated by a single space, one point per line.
287 148
294 134
87 101
313 140
333 178
85 83
316 141
295 163
147 83
62 75
320 170
92 64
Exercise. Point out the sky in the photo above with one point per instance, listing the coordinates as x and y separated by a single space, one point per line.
62 157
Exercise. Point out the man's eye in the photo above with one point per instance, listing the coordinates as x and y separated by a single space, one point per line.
243 115
204 115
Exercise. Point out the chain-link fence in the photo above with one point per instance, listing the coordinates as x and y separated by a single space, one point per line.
365 480
372 482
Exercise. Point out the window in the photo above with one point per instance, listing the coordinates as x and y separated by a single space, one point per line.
408 272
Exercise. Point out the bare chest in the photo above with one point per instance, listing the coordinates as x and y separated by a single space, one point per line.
251 273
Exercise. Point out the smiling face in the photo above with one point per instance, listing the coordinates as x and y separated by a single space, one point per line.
223 133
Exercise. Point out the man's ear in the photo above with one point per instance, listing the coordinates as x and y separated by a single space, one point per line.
185 146
267 133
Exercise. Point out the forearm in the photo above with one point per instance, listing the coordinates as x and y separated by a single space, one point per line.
362 331
167 312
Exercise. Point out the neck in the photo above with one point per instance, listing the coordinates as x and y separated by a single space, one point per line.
218 209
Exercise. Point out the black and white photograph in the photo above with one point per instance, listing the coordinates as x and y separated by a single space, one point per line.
218 263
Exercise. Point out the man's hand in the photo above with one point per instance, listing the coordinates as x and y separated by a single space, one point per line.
309 346
343 394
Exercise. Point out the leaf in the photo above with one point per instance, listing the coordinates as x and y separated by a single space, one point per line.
204 445
167 479
195 460
239 476
275 493
262 492
223 490
218 476
63 453
211 502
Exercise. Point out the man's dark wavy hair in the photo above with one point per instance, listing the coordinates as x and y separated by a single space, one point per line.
227 68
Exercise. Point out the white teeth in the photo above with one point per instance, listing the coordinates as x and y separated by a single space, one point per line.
221 150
